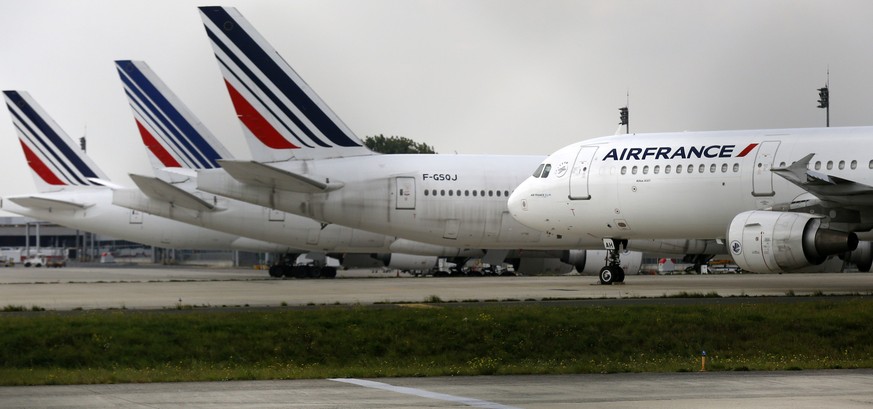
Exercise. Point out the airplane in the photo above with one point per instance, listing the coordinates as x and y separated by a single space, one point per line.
75 193
178 144
308 162
781 199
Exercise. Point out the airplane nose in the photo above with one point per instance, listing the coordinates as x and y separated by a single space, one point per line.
517 203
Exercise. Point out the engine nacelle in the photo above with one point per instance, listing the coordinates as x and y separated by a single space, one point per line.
409 262
535 266
774 242
589 262
862 257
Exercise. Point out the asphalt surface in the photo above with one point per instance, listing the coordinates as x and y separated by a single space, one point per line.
728 390
156 288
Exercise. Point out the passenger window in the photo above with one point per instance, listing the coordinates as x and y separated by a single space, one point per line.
546 170
690 169
539 170
667 169
842 165
490 193
818 164
678 169
646 170
498 193
854 164
736 167
830 164
482 193
624 170
656 169
870 165
474 193
442 192
451 192
634 170
426 192
506 193
459 192
466 193
702 168
724 168
712 168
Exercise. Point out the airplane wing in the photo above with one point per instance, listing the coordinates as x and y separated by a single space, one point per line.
35 202
259 174
824 186
160 190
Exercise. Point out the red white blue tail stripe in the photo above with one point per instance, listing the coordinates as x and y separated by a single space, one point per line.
52 156
281 115
173 135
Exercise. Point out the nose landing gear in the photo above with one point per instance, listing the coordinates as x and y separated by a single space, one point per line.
612 271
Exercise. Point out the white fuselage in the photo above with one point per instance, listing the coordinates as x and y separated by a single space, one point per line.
245 219
680 185
444 200
100 216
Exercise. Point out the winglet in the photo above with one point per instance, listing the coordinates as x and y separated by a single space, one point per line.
282 117
53 157
822 185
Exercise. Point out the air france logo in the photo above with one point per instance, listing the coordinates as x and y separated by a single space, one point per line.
736 247
682 152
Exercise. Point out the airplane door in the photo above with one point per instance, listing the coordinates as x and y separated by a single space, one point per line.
135 217
580 172
762 177
405 192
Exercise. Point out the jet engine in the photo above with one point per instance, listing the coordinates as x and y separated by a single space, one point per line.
590 262
862 257
541 266
408 262
775 242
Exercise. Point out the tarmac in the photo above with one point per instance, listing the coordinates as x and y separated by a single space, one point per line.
155 288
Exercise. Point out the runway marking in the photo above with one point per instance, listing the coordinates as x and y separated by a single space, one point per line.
477 403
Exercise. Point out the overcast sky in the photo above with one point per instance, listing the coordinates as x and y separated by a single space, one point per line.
466 76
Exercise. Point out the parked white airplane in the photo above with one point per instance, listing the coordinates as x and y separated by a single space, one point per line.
308 162
178 144
74 192
781 199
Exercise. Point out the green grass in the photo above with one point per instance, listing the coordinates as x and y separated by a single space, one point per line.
185 345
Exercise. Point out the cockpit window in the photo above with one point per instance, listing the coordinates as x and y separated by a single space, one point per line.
546 170
539 170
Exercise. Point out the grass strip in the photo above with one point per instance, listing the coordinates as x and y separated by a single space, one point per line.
130 346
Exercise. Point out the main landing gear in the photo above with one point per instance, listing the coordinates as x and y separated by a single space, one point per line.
612 271
286 267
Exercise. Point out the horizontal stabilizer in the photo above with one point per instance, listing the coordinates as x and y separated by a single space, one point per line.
259 174
160 190
35 202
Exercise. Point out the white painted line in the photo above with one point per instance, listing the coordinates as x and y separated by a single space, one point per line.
476 403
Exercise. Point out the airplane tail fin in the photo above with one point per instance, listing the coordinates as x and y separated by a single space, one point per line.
282 117
173 136
54 159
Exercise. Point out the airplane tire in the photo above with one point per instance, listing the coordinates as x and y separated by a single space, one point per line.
611 274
